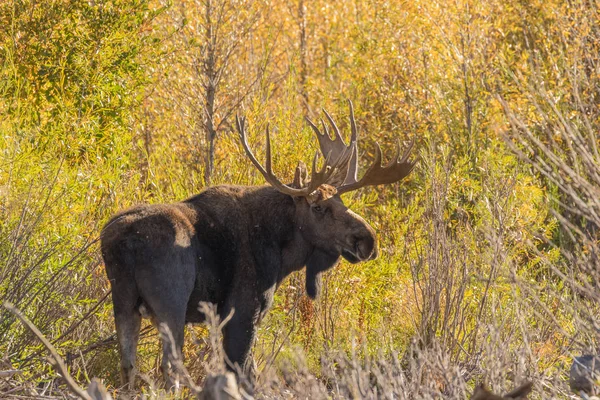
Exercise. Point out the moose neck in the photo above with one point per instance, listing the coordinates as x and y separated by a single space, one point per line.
276 218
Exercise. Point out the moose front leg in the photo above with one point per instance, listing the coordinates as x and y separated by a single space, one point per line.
251 296
238 335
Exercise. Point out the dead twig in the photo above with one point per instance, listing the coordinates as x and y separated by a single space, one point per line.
9 373
58 363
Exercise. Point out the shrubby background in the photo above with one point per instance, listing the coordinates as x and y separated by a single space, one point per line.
489 250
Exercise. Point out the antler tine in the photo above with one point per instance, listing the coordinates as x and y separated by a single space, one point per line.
345 160
395 159
315 173
352 169
351 164
313 126
378 157
338 136
353 129
241 128
268 164
352 174
407 152
325 130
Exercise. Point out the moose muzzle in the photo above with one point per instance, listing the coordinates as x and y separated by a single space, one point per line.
361 245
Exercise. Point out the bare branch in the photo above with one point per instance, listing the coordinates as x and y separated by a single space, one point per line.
58 364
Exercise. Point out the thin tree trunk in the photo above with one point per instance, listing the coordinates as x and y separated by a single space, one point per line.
147 132
303 54
210 76
468 100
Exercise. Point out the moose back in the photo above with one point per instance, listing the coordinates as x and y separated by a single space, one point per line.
233 245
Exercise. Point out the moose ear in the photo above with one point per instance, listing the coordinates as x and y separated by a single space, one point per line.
318 262
300 176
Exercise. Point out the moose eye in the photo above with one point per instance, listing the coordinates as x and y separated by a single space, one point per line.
318 209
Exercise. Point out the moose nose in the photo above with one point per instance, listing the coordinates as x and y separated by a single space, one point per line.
366 248
375 252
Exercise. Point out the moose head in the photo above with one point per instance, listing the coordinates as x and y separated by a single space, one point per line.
320 214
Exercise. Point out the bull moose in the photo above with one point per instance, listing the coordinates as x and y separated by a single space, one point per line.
234 245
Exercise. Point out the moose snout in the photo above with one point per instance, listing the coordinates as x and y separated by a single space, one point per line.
366 248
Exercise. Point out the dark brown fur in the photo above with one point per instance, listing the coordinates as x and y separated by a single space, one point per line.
520 393
229 245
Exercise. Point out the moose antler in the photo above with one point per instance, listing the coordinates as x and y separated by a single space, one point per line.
318 177
341 161
377 174
337 147
396 170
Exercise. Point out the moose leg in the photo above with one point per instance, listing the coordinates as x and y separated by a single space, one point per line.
128 333
127 323
166 297
172 332
238 334
165 282
169 318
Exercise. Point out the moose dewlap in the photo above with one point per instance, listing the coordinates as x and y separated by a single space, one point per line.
233 245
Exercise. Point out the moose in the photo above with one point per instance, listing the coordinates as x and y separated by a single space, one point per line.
233 245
